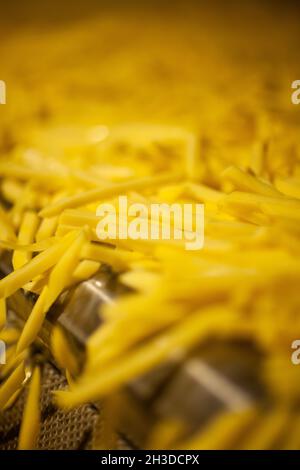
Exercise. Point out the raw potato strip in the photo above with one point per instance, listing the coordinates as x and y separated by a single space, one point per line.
94 195
6 227
164 434
26 236
245 182
105 435
228 229
109 343
272 426
253 208
9 335
12 400
204 193
49 180
34 322
289 186
117 258
13 360
136 247
78 218
292 439
63 230
33 247
93 386
191 150
278 212
61 351
59 279
11 190
30 199
85 270
30 425
38 265
61 274
11 385
2 313
140 281
252 201
37 284
224 432
46 229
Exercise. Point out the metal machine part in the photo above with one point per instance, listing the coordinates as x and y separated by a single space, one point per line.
191 389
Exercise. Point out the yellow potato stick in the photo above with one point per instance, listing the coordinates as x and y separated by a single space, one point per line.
30 426
85 270
59 279
191 151
88 180
11 190
12 399
229 229
289 186
132 309
140 281
23 173
224 432
69 378
252 201
62 352
78 218
165 433
33 247
144 358
204 193
106 192
34 322
61 274
111 343
37 284
105 436
292 438
46 229
138 248
26 236
272 426
6 227
9 335
11 385
41 263
13 360
247 182
118 258
278 212
2 313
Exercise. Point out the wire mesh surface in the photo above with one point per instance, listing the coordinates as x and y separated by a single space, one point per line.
62 430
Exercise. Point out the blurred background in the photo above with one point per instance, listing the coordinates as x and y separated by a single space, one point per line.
191 63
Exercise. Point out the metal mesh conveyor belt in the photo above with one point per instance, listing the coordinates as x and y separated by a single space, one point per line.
62 430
